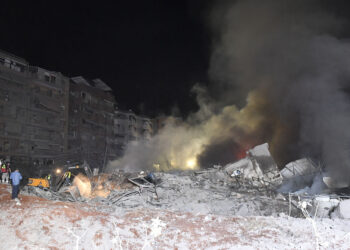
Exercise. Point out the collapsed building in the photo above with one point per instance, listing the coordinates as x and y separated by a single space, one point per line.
48 118
252 186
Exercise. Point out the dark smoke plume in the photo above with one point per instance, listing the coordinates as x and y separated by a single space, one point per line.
279 74
288 52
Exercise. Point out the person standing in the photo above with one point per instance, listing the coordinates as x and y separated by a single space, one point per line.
5 173
67 176
8 171
48 178
16 178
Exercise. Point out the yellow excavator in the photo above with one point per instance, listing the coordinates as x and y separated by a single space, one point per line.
59 177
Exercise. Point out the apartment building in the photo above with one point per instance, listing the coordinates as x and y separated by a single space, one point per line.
130 128
47 119
33 112
91 121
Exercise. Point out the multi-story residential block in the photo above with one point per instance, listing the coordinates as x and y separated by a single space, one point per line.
91 117
162 121
144 127
33 111
130 128
47 119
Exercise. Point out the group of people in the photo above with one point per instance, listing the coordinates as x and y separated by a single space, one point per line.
7 175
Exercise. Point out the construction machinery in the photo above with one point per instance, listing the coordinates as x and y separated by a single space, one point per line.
60 176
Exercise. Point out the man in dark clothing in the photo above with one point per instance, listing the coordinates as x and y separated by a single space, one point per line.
16 178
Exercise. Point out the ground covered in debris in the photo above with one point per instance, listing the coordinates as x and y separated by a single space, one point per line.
43 224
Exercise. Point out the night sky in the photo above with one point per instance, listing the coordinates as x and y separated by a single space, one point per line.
150 52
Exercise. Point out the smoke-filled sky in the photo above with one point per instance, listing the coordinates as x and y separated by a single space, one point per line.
239 72
279 72
293 56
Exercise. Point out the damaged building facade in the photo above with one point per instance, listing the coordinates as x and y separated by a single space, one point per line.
47 118
130 128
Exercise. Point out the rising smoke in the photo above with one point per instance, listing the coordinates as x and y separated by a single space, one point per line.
278 74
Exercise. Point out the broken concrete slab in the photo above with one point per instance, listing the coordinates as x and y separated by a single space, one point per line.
301 176
262 155
324 205
343 210
334 183
258 167
301 167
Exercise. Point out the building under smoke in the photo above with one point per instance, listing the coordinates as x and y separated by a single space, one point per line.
130 128
47 119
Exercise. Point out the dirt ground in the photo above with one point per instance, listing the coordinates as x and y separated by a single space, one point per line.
42 224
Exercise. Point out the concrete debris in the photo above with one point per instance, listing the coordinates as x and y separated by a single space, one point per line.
252 186
302 167
321 206
343 210
208 192
258 168
141 182
301 176
334 184
95 171
324 205
305 177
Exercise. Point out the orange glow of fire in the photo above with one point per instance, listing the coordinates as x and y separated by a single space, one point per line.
241 153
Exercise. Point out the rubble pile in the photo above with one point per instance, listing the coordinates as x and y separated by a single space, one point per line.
252 186
211 191
258 169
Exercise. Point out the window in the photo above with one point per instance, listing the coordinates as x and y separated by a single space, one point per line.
132 119
21 67
122 116
53 79
7 63
6 146
47 77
